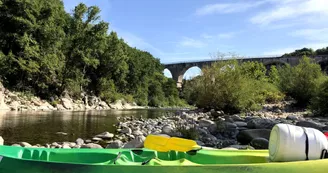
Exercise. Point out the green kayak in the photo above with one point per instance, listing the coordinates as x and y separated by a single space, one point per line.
36 160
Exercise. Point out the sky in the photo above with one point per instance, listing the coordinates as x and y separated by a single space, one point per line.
195 30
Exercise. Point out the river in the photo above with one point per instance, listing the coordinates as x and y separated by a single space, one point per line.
41 127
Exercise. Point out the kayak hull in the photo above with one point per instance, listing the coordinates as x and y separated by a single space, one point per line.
15 160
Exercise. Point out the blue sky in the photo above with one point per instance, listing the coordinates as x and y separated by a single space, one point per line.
187 30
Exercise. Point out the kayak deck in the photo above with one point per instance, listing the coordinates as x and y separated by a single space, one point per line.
135 157
41 160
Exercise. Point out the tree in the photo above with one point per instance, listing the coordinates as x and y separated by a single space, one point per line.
301 52
86 41
302 81
31 36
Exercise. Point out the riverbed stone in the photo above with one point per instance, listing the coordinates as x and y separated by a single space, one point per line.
292 117
96 139
115 144
138 142
92 145
79 141
105 135
246 136
25 144
104 105
1 140
310 124
240 124
205 123
60 107
118 104
126 130
67 103
14 106
260 143
16 145
3 105
236 118
261 124
167 129
66 146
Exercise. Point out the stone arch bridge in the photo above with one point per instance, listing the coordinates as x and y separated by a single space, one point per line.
178 69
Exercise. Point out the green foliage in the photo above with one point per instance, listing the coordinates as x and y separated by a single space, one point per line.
231 87
188 133
189 93
273 75
307 52
323 51
319 104
254 70
47 51
302 81
301 52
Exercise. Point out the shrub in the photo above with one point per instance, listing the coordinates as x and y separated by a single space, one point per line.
302 81
188 133
319 104
225 86
232 87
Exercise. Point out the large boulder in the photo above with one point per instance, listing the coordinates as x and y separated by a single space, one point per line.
205 123
138 142
60 107
15 105
117 105
240 124
167 129
104 105
67 103
260 143
92 145
105 135
3 105
126 130
115 144
246 136
227 129
1 140
261 124
25 144
310 124
79 141
236 118
292 117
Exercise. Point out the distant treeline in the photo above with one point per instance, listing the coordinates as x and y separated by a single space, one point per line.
308 52
46 51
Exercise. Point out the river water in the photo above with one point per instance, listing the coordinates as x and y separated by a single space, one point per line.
41 127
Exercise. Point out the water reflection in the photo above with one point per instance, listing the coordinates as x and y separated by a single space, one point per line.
41 127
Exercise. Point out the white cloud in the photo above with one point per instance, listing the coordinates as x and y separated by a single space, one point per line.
312 34
282 51
285 11
227 35
189 42
207 36
224 35
224 8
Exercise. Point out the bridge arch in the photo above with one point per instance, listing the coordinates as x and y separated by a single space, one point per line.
277 63
167 73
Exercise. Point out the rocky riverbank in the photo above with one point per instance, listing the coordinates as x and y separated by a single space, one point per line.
211 129
16 101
